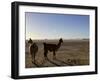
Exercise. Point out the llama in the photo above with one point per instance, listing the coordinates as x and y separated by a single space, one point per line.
52 48
33 49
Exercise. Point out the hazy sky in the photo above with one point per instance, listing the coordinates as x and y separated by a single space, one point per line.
55 26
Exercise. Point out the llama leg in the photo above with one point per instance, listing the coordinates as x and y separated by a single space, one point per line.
34 58
45 54
54 55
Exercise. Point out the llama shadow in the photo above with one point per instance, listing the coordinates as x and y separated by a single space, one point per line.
61 61
35 64
52 62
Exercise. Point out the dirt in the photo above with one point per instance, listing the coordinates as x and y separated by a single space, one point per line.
71 53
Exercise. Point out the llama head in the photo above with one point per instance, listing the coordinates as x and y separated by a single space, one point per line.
61 40
30 41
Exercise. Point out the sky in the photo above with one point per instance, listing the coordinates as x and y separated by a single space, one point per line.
55 26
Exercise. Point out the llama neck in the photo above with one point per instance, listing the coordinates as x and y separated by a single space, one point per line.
58 45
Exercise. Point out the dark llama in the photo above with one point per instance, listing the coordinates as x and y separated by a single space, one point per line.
33 49
52 48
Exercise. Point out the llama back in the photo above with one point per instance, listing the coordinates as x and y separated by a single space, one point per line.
33 48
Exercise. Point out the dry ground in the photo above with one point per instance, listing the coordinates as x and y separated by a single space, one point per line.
71 53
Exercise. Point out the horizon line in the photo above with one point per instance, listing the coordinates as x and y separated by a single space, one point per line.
62 38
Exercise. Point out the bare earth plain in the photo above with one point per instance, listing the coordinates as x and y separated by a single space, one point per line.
71 53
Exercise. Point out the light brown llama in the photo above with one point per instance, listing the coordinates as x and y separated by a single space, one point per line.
52 48
33 49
